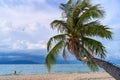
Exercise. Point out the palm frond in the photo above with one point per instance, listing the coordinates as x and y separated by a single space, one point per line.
67 12
93 23
69 1
84 52
82 28
52 55
80 6
92 66
60 25
96 29
67 9
95 46
53 39
91 13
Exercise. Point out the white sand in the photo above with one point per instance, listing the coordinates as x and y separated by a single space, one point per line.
71 76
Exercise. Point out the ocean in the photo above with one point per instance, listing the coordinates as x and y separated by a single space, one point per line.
24 69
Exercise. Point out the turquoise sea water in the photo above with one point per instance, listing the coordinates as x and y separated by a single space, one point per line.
22 69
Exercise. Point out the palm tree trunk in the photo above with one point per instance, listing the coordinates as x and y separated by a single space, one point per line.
113 70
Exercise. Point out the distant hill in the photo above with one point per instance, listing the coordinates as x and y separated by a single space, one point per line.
18 62
29 57
36 57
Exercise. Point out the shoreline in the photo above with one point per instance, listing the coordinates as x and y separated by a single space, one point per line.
61 76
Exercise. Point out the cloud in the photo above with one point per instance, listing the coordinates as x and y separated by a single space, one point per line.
26 20
28 13
27 45
39 45
8 44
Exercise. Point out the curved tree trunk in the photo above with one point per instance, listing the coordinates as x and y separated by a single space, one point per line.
113 70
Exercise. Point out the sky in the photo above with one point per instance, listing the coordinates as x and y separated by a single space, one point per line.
25 24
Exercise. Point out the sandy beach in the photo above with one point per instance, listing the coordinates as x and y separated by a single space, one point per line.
70 76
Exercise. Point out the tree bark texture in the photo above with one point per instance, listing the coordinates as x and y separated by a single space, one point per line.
113 70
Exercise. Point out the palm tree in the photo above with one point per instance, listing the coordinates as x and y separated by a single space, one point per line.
77 30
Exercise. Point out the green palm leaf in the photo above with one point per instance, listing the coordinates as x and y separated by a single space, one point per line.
80 7
69 1
95 29
60 25
95 46
93 23
52 55
53 39
90 13
67 9
92 66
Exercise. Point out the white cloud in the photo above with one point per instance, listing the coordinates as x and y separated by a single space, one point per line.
19 44
39 45
28 13
5 27
24 20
